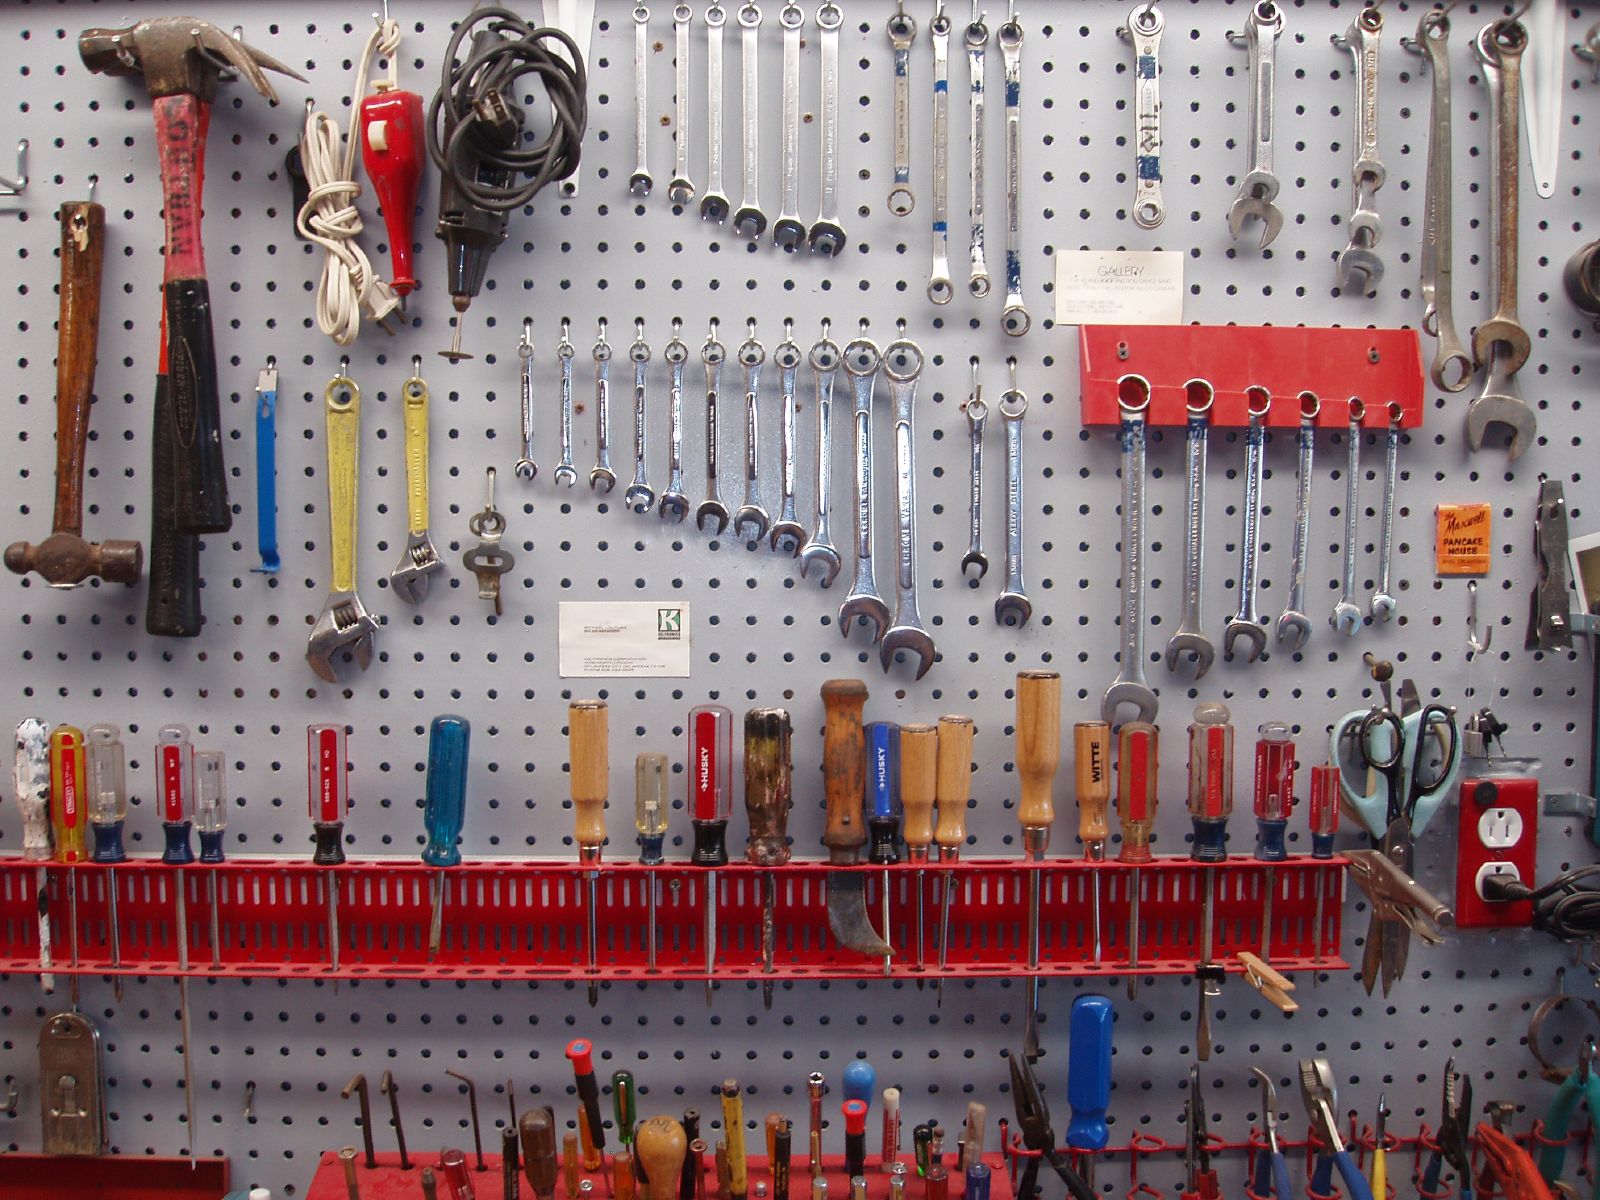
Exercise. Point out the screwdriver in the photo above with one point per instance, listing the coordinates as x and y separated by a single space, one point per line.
691 1162
1273 802
855 1137
327 801
768 797
1038 733
68 774
710 806
663 1147
883 806
890 1155
919 759
952 787
650 819
1324 825
537 1128
175 785
733 1130
624 1109
588 754
859 1080
1210 805
580 1052
1089 1078
1091 749
445 809
1138 756
108 810
31 784
211 822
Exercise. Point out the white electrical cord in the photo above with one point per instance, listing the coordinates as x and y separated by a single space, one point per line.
349 286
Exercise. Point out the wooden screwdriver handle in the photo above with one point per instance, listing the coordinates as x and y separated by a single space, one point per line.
768 787
1038 746
919 772
588 754
83 243
844 768
1091 748
662 1146
953 786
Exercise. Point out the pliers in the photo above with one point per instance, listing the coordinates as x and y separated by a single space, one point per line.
1583 1082
1316 1089
1454 1143
1201 1179
1272 1170
1033 1118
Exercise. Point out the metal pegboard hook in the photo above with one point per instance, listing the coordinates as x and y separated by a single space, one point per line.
15 187
1589 51
10 1106
1477 643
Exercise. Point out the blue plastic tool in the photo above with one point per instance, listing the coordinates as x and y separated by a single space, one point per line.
1089 1072
267 467
445 810
860 1081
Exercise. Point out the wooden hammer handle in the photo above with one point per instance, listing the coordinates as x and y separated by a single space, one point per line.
83 241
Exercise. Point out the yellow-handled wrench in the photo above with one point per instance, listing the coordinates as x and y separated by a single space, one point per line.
344 624
409 579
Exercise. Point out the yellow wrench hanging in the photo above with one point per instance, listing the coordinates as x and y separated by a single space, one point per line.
419 559
344 624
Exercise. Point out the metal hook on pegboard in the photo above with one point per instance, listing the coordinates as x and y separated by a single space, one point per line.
10 1107
15 187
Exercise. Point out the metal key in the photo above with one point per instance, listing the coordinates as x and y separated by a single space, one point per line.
1294 626
1190 636
674 502
487 560
526 468
1359 265
1014 319
751 356
714 205
639 496
1129 687
827 234
787 532
788 231
1246 622
1383 601
601 472
1499 47
1346 616
1012 608
861 362
566 472
902 32
712 354
940 289
977 418
977 39
639 182
1259 187
1143 30
902 366
748 219
680 190
819 549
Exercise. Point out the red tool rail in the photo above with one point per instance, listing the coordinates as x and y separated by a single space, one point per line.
124 1176
525 919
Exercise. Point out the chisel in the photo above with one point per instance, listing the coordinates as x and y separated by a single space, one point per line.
588 755
1138 755
211 823
711 804
650 820
445 809
768 797
68 775
31 784
108 810
1091 749
882 806
327 801
1038 753
1089 1079
919 766
175 786
1274 803
1210 805
952 788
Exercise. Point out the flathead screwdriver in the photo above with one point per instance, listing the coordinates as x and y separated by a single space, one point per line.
650 821
1324 813
733 1130
882 804
1091 750
589 765
1273 802
175 785
919 766
1210 805
30 781
624 1108
952 789
68 819
580 1052
445 810
1038 752
1138 755
108 810
663 1148
768 800
327 800
211 824
711 805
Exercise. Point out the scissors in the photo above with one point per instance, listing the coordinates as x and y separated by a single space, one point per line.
1398 749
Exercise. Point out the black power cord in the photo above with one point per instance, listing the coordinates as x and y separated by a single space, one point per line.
1567 907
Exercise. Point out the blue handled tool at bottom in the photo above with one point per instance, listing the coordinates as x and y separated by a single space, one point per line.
445 810
1316 1089
1089 1078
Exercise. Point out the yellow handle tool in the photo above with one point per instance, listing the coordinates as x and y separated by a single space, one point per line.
343 404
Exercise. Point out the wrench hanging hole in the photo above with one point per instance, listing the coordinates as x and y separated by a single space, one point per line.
1310 406
1199 396
1133 393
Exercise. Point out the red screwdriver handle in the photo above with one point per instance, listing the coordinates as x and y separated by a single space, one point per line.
391 152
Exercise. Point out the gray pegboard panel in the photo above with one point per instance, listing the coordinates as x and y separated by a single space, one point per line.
763 636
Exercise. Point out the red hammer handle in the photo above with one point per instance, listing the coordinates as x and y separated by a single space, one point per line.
83 241
181 124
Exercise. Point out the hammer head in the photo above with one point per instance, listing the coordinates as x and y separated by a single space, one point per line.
64 560
177 56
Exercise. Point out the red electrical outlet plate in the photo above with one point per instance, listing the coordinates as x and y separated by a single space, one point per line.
1497 833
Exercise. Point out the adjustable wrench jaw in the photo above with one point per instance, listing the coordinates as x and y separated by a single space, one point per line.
344 626
409 579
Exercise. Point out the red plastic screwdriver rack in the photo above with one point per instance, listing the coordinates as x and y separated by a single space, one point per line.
526 919
128 1177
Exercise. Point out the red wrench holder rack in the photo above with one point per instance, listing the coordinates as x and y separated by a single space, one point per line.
526 919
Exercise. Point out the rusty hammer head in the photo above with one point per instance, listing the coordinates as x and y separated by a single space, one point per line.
177 56
64 560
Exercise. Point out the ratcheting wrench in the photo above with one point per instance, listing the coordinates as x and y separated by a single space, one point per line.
1143 30
344 623
526 468
861 362
674 502
789 231
902 32
714 205
640 496
1012 607
1294 626
1246 622
1190 636
748 219
751 355
409 579
1346 617
1259 187
1014 319
566 472
827 234
713 354
940 289
1129 687
824 358
639 182
977 39
787 533
1359 263
902 365
680 190
601 472
977 419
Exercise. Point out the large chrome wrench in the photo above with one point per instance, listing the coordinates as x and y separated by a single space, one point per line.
902 365
827 234
1012 608
1294 626
787 532
902 33
977 39
1346 616
789 231
639 182
861 362
674 502
1246 622
566 470
640 496
713 354
1143 30
1499 48
1501 403
1259 187
1190 636
1129 687
1359 267
940 289
680 190
748 219
714 205
1014 319
819 548
751 355
1383 601
601 472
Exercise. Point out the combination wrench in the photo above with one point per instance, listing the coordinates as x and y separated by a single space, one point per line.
1246 622
1346 616
902 366
748 219
639 182
1499 47
714 205
827 234
566 471
977 420
419 559
680 190
1359 267
1143 31
789 231
751 355
526 468
712 354
601 472
1294 626
977 39
1258 190
1014 319
787 532
862 359
639 496
824 358
674 502
1012 608
902 33
1129 687
940 289
1383 603
1190 637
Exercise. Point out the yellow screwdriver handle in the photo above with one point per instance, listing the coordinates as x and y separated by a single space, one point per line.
588 754
343 403
1038 746
415 394
919 759
954 783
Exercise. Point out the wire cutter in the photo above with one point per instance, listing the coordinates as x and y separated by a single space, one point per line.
1316 1089
1583 1082
1201 1179
1033 1118
1272 1170
1454 1142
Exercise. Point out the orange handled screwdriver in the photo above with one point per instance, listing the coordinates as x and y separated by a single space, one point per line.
952 789
588 757
1091 752
1138 755
1038 757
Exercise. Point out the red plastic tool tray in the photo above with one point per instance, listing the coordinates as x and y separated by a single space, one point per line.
111 1177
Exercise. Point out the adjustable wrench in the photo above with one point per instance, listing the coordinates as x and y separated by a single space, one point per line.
787 532
673 501
601 472
680 190
639 182
751 356
639 495
1129 687
827 234
861 362
977 39
940 289
526 468
748 219
1383 601
1246 622
344 623
819 548
409 579
566 472
1143 30
1499 48
1346 617
977 419
714 205
712 354
1259 187
1014 319
902 33
789 231
1190 637
902 365
1012 607
1294 626
1359 263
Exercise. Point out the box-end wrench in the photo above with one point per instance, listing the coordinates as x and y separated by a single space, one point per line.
1013 608
1190 637
714 205
827 234
1259 187
601 472
1383 603
902 366
680 190
1014 319
526 467
977 39
1143 31
1499 47
787 533
1360 270
1129 687
674 502
824 358
1246 622
640 496
1346 616
748 219
409 579
713 354
751 355
902 32
789 231
639 182
977 420
862 359
566 472
940 289
1294 626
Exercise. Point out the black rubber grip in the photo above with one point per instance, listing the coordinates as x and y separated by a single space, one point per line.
202 480
172 606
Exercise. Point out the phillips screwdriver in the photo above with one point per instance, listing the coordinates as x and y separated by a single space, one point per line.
919 767
978 1176
1138 756
1091 749
882 806
663 1147
1324 825
327 801
537 1128
211 823
768 798
1273 802
580 1052
711 804
68 774
445 809
588 754
650 820
175 786
31 786
1089 1079
108 810
733 1130
1210 805
624 1110
952 787
1038 756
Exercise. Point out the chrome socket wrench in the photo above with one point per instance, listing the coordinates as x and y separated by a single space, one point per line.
976 37
674 502
639 496
1383 603
1013 607
1346 616
713 354
861 362
977 420
714 205
1294 626
940 289
902 32
1143 30
601 472
1190 636
526 468
1246 621
1129 687
566 471
639 182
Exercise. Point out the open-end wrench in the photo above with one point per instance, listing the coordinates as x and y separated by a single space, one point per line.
977 419
1246 622
601 472
1013 608
902 32
714 205
1383 601
827 234
1129 687
1346 616
748 219
1014 319
674 502
1259 187
1452 365
825 357
1190 637
1501 403
566 472
861 362
1359 268
1294 626
680 190
787 532
344 624
640 496
751 355
902 366
940 289
526 467
789 231
977 39
713 354
639 182
419 559
1143 31
1499 47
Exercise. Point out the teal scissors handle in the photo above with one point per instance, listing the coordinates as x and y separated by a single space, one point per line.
1371 808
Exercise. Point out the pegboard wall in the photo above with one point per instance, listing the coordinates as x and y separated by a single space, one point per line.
761 635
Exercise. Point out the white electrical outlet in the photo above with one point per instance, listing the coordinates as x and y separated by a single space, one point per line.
1500 828
1491 869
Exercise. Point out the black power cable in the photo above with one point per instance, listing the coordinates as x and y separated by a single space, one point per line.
1568 907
